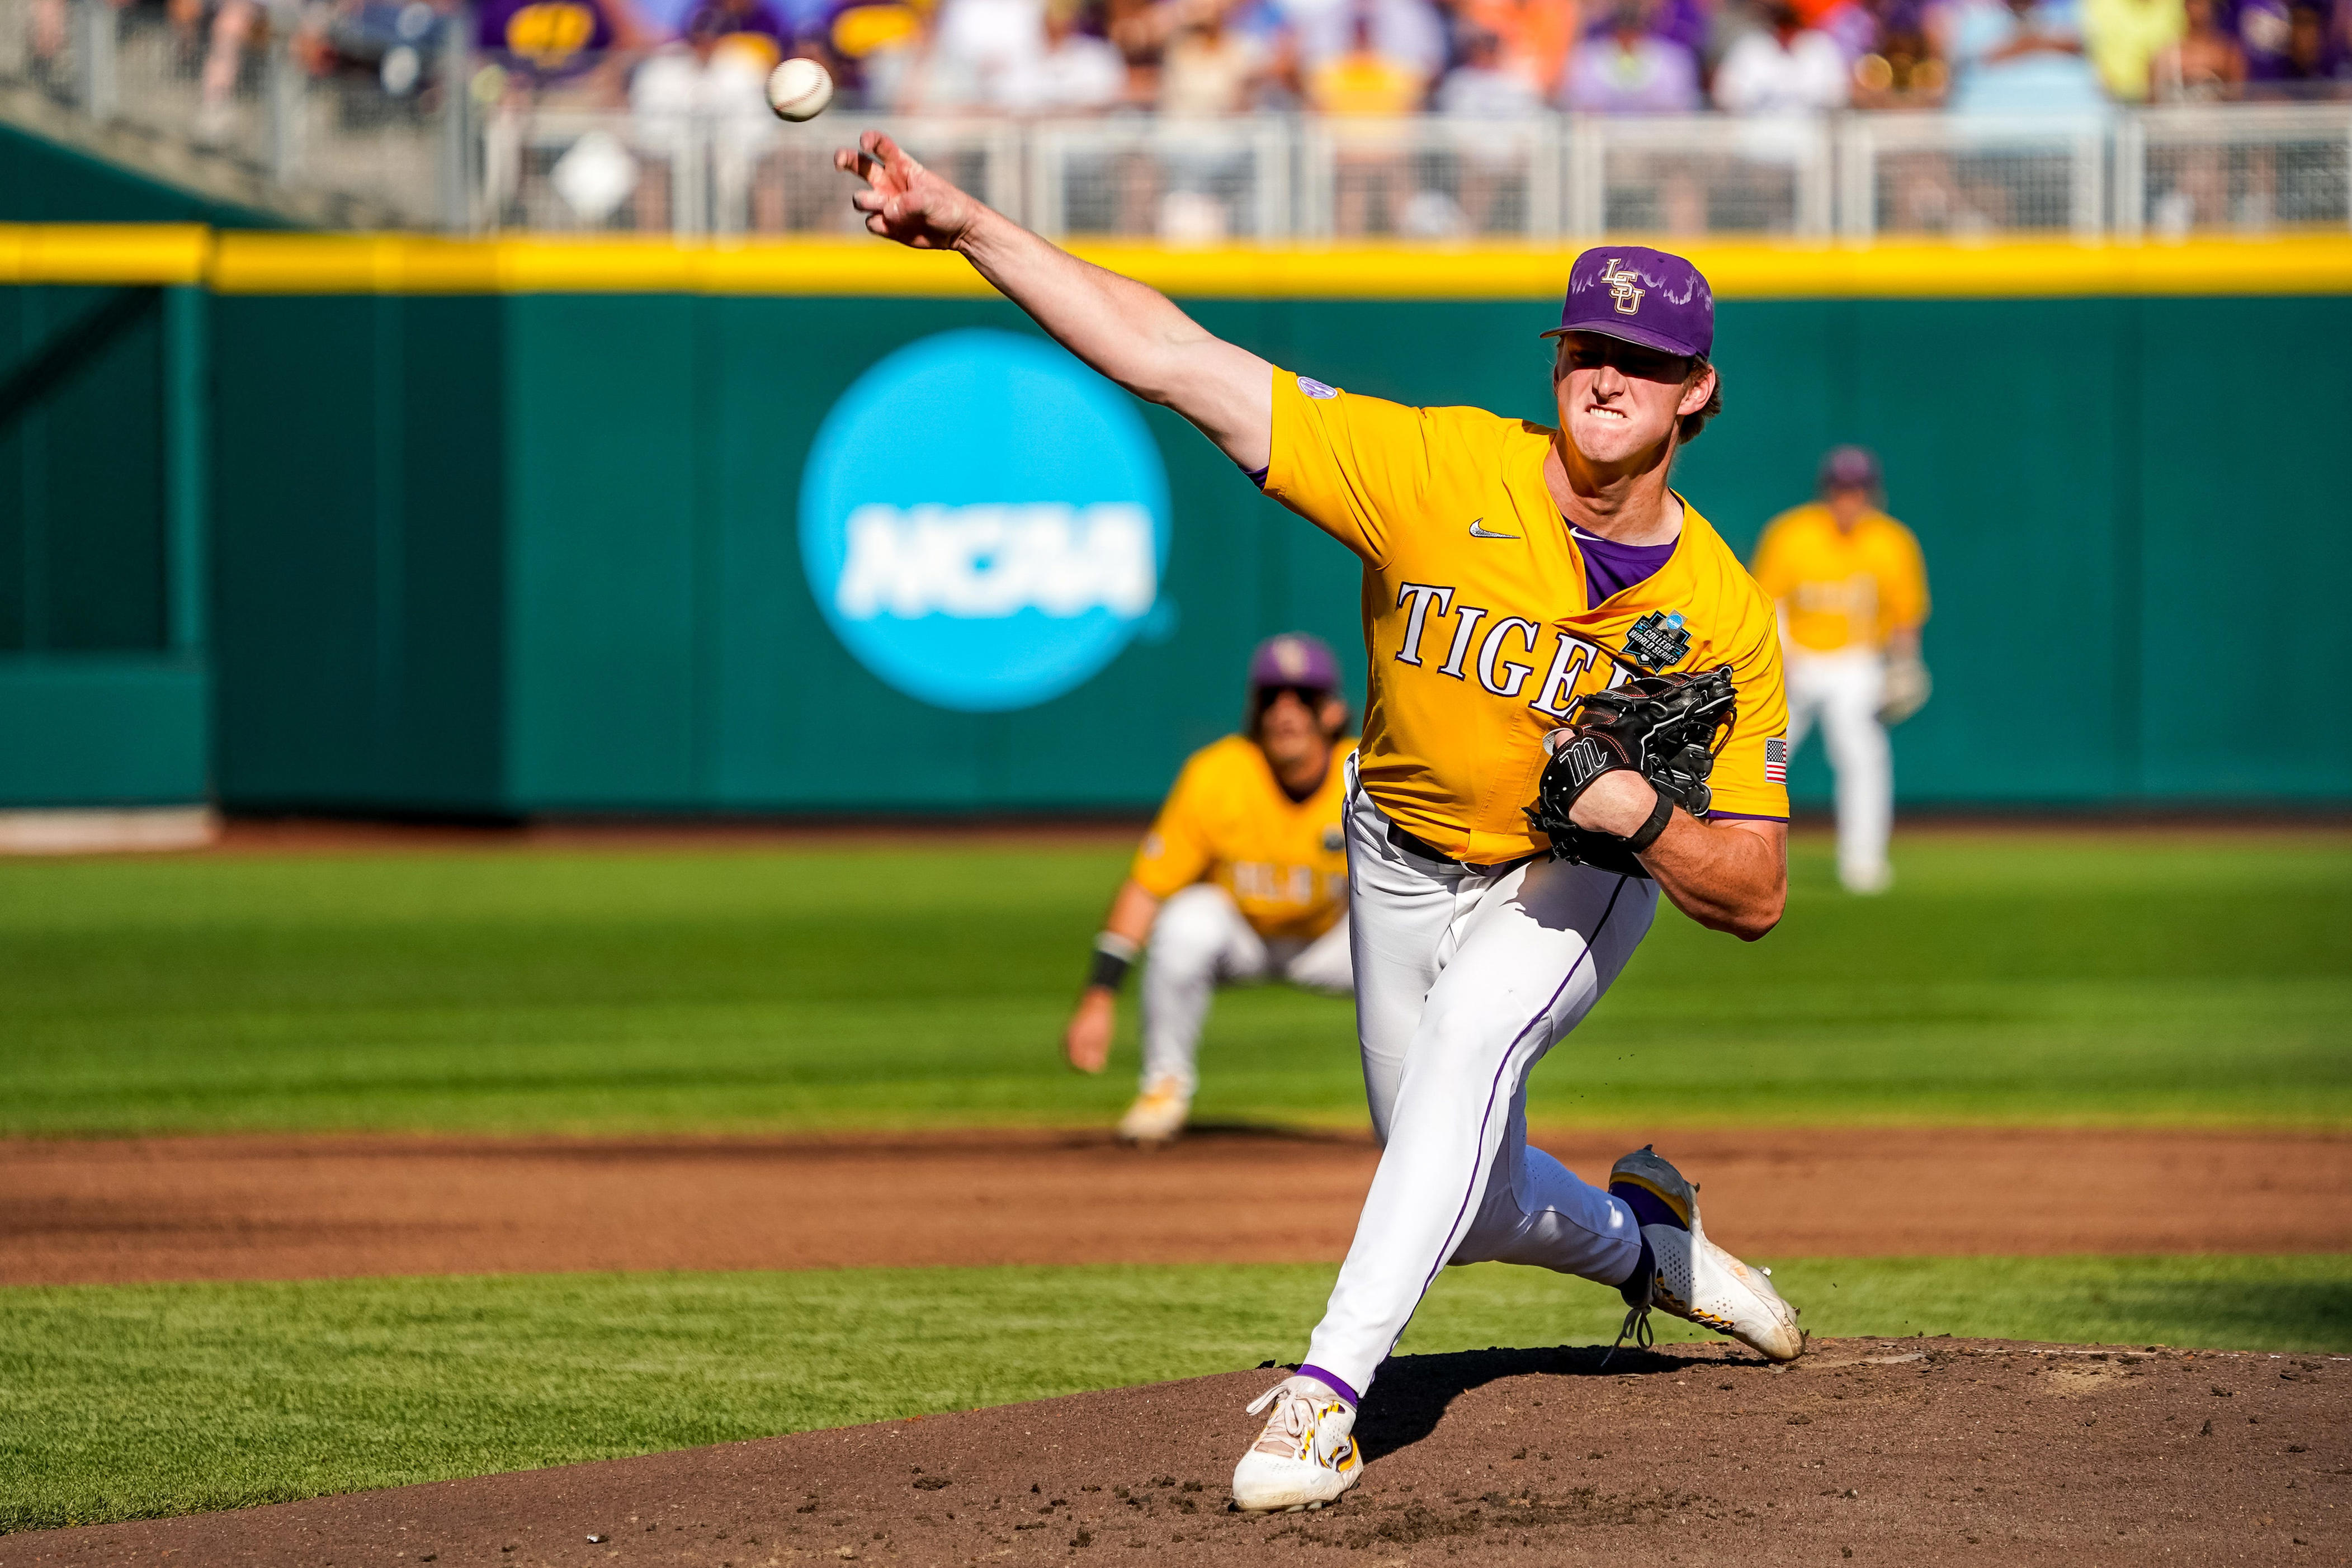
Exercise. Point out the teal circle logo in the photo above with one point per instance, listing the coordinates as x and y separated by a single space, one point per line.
983 520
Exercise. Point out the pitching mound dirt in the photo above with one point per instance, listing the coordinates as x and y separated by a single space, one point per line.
1870 1451
282 1208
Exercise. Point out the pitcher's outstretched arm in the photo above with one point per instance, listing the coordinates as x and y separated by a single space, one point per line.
1130 332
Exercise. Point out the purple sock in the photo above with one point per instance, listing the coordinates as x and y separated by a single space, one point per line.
1307 1369
1648 1208
1636 1287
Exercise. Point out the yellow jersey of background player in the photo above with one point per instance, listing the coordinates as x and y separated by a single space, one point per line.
1243 877
1852 589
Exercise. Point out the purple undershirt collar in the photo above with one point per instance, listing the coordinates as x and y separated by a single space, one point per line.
1612 568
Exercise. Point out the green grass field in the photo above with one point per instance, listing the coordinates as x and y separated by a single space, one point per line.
2026 978
127 1402
2121 978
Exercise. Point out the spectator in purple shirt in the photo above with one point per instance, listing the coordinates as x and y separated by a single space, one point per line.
1632 70
547 40
2317 63
2263 29
748 20
1684 22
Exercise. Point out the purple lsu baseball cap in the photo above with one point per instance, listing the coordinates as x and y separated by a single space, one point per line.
1294 659
1654 298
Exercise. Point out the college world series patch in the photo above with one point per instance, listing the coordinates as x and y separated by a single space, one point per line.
1658 639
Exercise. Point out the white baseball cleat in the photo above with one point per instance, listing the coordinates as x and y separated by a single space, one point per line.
1157 1114
1305 1456
1697 1280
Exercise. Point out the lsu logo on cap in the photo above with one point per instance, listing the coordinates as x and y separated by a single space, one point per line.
1622 287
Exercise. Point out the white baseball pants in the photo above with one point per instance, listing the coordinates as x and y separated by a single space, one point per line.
1201 941
1464 980
1844 691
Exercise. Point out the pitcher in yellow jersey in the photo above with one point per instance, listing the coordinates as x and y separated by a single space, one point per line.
1508 567
1243 877
1853 595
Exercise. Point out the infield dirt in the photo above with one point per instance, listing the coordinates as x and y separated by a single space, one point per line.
282 1208
1905 1452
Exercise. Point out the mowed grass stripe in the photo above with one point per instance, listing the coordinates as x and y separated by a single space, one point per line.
2028 977
136 1401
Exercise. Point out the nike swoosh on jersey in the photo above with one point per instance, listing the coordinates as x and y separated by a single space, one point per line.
1478 533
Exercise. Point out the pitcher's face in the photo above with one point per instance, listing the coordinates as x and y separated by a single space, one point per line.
1619 401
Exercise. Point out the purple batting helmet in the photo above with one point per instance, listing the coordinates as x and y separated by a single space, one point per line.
1294 659
1653 298
1291 659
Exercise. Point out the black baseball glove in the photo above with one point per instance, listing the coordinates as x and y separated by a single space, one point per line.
1668 728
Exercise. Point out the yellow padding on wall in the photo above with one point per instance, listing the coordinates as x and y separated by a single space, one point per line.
260 263
104 253
244 262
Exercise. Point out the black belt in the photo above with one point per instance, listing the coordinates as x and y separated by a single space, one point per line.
1427 851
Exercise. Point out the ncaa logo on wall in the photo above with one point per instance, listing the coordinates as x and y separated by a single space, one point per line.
983 520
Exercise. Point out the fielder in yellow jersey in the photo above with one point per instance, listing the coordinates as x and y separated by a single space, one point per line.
1508 567
1243 877
1852 594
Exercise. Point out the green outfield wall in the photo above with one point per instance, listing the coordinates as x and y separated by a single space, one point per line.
104 678
505 549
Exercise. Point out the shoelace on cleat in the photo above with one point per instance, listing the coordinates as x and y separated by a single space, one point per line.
1290 1430
1635 1327
1300 1419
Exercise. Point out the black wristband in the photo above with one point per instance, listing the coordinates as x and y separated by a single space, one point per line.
1114 956
1647 834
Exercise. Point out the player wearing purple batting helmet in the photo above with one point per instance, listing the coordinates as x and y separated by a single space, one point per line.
1243 877
1302 665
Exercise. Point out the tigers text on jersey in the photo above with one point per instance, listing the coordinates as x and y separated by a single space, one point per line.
1843 590
1476 622
1228 821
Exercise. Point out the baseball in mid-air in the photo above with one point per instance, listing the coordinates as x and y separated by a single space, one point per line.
799 89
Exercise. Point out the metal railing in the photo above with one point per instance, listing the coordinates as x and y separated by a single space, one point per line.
240 99
466 146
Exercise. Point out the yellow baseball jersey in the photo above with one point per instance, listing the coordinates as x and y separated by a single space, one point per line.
1843 590
1229 822
1477 623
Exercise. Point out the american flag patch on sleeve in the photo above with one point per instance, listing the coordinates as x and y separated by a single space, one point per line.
1776 760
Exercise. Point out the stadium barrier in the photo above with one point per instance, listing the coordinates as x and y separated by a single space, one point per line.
535 526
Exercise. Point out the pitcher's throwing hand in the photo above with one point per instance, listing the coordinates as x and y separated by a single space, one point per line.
903 200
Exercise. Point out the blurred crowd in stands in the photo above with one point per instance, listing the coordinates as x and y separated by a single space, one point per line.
1469 58
1477 59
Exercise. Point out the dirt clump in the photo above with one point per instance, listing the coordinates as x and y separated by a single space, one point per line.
1912 1452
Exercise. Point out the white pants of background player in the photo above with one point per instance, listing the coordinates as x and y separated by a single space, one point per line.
1844 691
1465 978
1201 941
